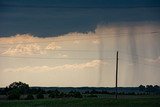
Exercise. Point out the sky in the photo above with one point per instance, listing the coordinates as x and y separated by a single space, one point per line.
73 43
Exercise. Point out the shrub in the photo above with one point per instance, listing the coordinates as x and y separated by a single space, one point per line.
75 94
40 96
55 94
30 97
92 95
78 95
52 95
14 95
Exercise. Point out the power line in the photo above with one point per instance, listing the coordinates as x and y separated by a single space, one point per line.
69 58
134 55
56 58
134 61
98 51
68 50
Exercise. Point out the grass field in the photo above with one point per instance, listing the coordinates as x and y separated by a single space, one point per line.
84 102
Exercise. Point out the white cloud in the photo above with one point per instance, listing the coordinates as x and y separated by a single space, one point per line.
23 49
52 46
20 38
82 66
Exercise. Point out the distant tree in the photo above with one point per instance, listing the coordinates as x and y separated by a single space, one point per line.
6 90
78 95
52 95
75 94
40 96
142 88
55 94
22 87
49 91
132 93
3 91
92 95
149 88
156 89
35 90
71 94
14 94
94 92
105 92
40 90
62 95
121 93
86 92
29 97
15 89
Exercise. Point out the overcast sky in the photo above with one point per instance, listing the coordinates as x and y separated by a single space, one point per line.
74 43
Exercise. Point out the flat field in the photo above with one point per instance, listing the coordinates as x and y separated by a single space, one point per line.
84 102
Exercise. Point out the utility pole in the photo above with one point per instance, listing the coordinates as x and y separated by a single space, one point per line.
116 74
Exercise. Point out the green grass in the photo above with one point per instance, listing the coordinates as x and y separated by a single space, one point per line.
84 102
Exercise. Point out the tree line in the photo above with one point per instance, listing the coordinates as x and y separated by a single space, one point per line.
17 89
150 89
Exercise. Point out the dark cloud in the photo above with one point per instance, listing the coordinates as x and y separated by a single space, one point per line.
56 17
80 3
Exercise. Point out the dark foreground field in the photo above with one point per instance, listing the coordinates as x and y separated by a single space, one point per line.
84 102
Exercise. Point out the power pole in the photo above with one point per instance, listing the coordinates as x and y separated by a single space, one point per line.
116 74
